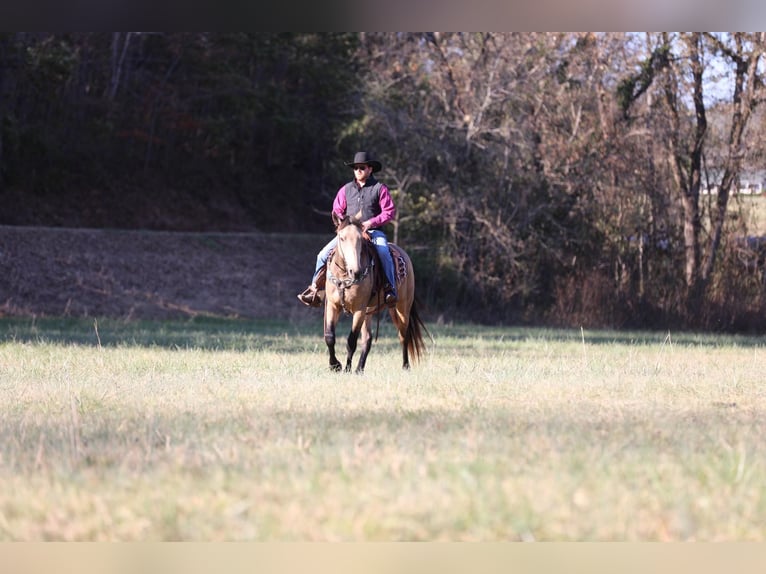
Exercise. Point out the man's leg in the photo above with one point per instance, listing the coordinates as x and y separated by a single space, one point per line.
310 296
384 253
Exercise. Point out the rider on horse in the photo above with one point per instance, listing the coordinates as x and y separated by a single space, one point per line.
369 199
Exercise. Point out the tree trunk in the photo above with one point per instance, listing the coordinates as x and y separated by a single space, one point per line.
746 82
119 52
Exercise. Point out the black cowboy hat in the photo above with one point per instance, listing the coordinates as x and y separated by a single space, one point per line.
366 158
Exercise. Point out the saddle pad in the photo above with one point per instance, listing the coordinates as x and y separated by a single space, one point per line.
400 265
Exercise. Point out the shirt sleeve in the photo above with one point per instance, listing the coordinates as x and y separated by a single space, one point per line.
339 204
387 209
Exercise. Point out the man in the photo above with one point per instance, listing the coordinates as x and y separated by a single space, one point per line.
365 195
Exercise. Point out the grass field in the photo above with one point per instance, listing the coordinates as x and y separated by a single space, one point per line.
233 430
752 208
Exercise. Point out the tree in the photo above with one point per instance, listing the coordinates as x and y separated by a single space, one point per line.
678 67
495 150
162 125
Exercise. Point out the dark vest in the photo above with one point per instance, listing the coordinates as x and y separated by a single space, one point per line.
365 200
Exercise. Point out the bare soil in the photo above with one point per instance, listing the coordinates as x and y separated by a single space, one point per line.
153 274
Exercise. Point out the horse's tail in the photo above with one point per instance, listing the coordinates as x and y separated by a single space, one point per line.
413 338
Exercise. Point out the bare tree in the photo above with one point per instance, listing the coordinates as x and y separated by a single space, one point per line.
744 52
678 66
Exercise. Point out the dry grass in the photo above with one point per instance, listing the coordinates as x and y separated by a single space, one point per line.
241 433
752 209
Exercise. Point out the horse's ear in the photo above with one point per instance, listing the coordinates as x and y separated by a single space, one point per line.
358 216
335 219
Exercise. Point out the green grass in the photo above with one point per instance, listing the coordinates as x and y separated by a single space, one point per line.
235 430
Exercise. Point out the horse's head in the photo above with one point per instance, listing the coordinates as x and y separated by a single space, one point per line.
350 243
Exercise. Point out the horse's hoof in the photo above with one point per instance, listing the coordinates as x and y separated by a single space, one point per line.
336 367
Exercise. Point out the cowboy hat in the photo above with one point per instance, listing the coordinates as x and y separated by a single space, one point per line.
364 157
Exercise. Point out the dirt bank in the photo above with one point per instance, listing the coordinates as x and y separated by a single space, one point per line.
153 274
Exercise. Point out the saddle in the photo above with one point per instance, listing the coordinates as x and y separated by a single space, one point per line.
400 271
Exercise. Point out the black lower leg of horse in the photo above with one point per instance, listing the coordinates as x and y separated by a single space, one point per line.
329 339
353 337
405 358
363 355
404 339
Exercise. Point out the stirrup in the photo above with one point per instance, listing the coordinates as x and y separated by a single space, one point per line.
390 299
310 297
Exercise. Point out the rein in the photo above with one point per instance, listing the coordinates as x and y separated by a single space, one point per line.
344 282
348 282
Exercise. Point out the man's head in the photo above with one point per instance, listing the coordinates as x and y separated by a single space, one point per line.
363 159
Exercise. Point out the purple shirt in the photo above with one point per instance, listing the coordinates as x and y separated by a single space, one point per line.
387 208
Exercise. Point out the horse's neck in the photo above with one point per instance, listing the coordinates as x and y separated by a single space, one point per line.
366 253
338 261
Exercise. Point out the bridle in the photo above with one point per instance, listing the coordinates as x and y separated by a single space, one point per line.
342 281
348 281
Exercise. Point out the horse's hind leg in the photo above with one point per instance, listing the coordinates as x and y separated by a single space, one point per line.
357 326
366 345
405 357
401 328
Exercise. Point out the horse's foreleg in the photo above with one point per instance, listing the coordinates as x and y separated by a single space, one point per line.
353 338
329 339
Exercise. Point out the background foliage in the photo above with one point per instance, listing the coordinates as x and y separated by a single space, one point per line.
540 177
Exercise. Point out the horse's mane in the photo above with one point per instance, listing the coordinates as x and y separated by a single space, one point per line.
349 220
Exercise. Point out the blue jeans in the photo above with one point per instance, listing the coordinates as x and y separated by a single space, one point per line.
381 246
322 257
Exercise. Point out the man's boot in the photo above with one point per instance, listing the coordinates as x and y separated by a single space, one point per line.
310 296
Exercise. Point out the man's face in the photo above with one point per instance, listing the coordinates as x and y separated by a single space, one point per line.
362 171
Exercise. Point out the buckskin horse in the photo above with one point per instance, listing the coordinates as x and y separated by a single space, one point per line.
354 285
